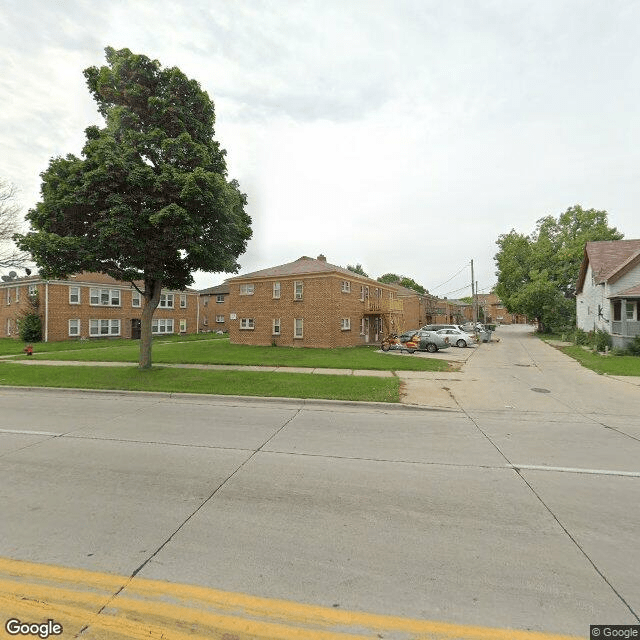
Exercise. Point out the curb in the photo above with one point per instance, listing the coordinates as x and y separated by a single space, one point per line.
296 402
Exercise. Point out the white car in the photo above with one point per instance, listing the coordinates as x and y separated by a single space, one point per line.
456 336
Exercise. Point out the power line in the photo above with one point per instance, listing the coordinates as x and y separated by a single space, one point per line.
466 286
452 277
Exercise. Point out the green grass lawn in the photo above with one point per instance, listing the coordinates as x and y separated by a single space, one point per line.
241 383
223 352
613 365
10 346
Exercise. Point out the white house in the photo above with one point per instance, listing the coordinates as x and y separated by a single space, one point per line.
608 289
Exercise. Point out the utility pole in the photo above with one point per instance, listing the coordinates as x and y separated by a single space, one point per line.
473 299
478 303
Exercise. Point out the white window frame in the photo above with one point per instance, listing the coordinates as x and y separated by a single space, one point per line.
247 289
166 301
17 294
247 324
362 332
104 297
362 293
298 331
345 324
183 325
71 296
276 290
276 327
75 322
220 298
162 326
220 318
33 290
97 327
346 286
8 326
8 295
136 299
298 290
183 300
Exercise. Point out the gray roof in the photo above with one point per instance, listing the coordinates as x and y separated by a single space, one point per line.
221 288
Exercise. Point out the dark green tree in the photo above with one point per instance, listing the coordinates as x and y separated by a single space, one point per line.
358 269
537 273
404 281
149 200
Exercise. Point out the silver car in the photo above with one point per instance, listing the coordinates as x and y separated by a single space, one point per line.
456 336
421 340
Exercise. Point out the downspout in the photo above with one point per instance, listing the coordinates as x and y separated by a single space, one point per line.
198 313
46 311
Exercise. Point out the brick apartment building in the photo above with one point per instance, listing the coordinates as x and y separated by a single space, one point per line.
214 309
495 311
92 305
311 303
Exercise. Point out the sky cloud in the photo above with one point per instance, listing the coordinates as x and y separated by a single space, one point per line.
403 135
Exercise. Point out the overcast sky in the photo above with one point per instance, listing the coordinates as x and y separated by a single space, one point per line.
404 135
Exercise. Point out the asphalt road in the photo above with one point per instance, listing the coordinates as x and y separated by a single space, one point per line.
516 507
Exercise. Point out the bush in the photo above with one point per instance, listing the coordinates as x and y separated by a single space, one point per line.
634 348
30 327
602 340
617 351
581 337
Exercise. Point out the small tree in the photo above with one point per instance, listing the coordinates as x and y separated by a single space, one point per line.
30 321
150 200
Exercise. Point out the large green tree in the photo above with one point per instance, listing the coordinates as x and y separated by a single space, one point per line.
404 281
358 269
537 273
150 200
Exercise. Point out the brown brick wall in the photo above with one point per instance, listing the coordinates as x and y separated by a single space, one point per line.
55 305
322 308
209 309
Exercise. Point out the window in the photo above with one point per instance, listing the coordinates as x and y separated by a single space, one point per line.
103 297
162 325
104 328
298 287
183 301
166 302
276 289
247 289
298 328
629 311
276 327
205 322
346 286
219 318
345 324
246 323
8 326
220 298
136 298
33 290
362 332
8 295
362 292
74 327
74 295
617 311
183 325
17 294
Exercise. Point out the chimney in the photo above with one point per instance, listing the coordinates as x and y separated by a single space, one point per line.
322 258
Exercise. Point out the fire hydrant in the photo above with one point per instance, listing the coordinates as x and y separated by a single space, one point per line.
28 350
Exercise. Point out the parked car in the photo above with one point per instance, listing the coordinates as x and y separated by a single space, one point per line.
469 328
456 336
421 340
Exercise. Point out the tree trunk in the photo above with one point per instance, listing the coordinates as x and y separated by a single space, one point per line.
152 289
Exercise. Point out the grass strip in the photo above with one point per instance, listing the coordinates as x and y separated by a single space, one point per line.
240 383
223 352
11 346
612 365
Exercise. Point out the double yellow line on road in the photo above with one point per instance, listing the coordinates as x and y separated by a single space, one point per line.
83 602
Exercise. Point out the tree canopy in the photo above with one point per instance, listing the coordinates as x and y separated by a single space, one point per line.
537 273
150 199
357 269
404 281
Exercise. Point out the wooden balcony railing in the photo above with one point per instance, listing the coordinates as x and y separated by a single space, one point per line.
378 305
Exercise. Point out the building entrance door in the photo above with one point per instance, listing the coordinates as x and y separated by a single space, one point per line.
136 328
